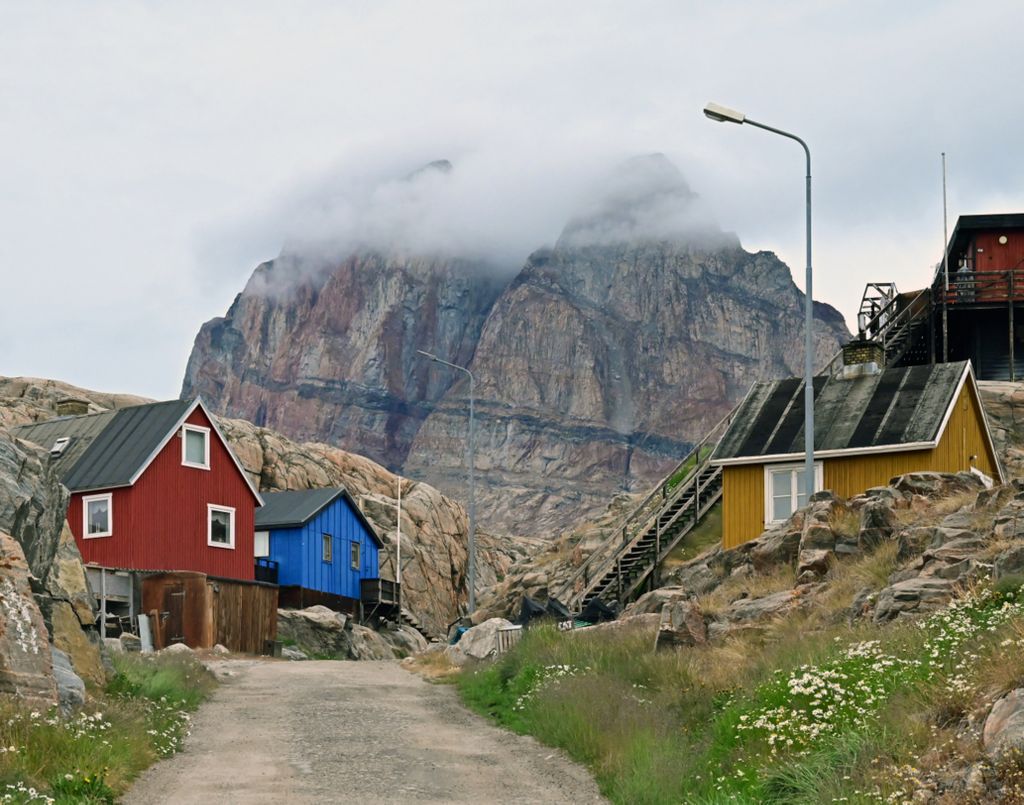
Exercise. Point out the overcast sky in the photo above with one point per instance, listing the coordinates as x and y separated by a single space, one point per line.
152 154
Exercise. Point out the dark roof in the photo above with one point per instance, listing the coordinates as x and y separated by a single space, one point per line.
297 507
80 430
966 225
900 406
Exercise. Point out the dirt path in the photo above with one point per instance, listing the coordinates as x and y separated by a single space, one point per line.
352 732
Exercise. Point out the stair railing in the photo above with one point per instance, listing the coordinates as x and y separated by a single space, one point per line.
640 519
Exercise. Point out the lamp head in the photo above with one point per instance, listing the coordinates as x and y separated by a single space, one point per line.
723 114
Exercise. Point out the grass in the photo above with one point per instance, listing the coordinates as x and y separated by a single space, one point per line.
684 469
809 709
92 756
704 535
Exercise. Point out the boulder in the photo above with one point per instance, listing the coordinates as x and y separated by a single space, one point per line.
1004 727
318 631
777 546
478 643
290 653
756 609
1009 563
177 648
128 642
878 523
366 644
936 484
81 647
682 624
656 600
404 639
695 577
1009 522
912 595
26 664
70 687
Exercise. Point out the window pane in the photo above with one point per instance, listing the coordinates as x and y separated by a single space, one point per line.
195 447
327 548
780 483
262 543
220 527
355 556
99 516
782 506
801 490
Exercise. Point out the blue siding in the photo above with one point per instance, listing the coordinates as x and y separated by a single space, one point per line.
298 552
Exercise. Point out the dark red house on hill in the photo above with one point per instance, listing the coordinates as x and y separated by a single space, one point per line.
154 487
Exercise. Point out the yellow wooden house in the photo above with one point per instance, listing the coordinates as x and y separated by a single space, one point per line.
870 425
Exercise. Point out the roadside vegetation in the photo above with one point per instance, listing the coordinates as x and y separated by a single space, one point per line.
810 709
92 756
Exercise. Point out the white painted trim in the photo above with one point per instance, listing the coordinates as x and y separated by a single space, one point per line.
328 540
358 565
819 483
197 403
109 498
185 429
857 451
256 541
1000 477
210 509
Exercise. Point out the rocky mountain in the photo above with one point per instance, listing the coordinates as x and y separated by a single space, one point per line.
434 527
597 366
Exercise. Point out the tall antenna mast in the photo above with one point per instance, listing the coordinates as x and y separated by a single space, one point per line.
945 267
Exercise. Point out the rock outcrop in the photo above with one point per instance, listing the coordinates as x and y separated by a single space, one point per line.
322 633
596 367
434 527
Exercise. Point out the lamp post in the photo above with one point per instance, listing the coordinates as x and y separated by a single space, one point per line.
722 114
472 491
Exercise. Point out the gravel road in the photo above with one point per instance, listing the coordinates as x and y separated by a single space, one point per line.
352 732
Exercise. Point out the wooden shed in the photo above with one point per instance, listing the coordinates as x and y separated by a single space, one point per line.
202 611
870 426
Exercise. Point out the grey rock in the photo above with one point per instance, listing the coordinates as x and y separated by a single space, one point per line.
878 523
1009 563
113 645
912 595
1004 727
657 600
477 643
129 642
292 653
936 484
70 686
176 648
755 609
696 578
682 624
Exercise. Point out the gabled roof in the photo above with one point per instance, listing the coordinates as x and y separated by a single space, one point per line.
297 507
904 408
112 449
966 225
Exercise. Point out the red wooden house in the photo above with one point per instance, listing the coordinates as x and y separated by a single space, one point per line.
156 488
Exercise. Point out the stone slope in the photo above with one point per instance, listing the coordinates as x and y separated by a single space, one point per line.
598 365
434 527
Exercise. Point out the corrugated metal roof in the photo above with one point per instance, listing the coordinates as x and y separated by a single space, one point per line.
80 430
905 405
297 507
119 442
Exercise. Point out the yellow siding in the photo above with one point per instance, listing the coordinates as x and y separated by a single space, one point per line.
742 503
743 490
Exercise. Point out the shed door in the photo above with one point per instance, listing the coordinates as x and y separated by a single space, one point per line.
174 613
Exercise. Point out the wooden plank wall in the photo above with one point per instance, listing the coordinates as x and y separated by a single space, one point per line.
742 504
244 615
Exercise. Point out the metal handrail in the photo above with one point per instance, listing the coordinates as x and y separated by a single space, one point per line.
625 530
978 286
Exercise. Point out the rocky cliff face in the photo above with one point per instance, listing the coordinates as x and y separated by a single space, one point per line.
328 351
597 366
434 560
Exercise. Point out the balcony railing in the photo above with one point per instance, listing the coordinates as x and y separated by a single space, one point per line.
378 591
981 287
266 570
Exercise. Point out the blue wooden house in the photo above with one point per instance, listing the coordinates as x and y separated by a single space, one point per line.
323 547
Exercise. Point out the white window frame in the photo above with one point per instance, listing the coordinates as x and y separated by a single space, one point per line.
257 539
769 499
355 552
185 429
109 498
210 509
327 541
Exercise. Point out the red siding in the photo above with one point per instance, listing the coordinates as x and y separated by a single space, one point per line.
160 523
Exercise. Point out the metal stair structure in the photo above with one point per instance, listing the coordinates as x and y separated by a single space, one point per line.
641 540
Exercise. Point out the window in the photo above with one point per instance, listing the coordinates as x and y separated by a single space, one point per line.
220 531
97 516
261 543
355 556
784 490
195 447
328 548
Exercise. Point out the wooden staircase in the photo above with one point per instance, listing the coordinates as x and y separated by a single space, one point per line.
406 617
639 543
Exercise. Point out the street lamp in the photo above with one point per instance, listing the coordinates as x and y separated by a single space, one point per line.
722 114
472 491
